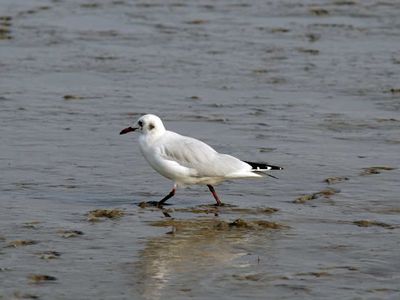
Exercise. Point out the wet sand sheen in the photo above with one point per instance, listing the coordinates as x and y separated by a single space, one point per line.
309 86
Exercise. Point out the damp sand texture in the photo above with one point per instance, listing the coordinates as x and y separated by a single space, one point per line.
312 86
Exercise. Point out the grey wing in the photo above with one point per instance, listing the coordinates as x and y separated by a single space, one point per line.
202 159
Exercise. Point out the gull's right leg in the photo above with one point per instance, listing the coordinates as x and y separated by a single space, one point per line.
214 193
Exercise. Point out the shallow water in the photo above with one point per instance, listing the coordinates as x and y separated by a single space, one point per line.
309 85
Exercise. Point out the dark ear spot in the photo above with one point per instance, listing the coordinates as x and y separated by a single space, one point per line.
151 126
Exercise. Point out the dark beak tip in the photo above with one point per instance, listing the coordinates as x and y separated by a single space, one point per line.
126 130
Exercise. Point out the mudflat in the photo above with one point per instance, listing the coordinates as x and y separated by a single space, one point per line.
308 85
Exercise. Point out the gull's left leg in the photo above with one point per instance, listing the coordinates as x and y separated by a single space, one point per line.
212 190
171 194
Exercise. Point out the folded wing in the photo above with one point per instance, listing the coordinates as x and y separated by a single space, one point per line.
200 158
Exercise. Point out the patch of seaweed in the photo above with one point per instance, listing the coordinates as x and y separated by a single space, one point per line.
318 11
218 225
205 209
69 233
49 255
337 179
327 193
98 214
368 223
72 97
39 278
20 243
375 170
19 295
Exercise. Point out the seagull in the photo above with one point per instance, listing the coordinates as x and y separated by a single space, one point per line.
187 161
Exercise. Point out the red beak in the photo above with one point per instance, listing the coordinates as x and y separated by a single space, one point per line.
127 129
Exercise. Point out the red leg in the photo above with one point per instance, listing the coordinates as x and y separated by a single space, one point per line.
212 190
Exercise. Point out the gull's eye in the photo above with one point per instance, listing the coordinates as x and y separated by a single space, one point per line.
151 126
140 123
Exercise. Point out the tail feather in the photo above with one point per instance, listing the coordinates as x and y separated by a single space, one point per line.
262 166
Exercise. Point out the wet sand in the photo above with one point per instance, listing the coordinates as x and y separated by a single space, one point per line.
312 86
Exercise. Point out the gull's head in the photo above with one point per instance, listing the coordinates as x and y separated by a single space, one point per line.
146 124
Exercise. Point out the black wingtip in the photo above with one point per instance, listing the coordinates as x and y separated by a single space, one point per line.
263 166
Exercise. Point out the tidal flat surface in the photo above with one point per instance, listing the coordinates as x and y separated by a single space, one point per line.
312 86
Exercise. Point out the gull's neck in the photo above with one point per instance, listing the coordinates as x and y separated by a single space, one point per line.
152 136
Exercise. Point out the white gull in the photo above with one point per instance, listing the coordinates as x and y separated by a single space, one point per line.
187 161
